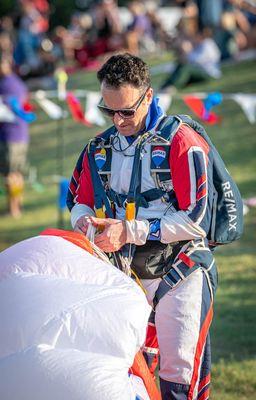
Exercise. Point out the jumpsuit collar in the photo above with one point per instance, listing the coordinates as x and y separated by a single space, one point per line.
154 113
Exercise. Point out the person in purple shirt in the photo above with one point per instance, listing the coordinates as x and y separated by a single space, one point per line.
14 138
139 35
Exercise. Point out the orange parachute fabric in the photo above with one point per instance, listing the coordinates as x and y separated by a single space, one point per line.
76 238
140 368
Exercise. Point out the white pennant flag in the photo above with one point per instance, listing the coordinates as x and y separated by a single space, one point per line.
165 100
6 115
92 113
53 110
248 105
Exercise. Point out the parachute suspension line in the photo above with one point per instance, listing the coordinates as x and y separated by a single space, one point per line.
90 234
137 280
100 254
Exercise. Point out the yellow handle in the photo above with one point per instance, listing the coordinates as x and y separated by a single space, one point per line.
130 211
100 213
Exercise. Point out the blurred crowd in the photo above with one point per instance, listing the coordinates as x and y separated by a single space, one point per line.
199 34
105 27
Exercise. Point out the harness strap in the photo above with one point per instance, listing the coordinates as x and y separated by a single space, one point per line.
135 183
169 126
173 278
99 193
186 263
142 199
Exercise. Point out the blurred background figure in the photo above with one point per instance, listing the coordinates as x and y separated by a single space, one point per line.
245 23
41 35
139 34
107 26
199 60
14 138
32 27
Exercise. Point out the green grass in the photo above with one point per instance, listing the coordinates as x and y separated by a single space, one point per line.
234 326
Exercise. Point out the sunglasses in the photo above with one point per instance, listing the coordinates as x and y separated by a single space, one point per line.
125 112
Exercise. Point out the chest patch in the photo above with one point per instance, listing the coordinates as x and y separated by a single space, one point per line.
103 157
100 158
160 157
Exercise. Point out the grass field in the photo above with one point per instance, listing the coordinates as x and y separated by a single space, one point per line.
234 327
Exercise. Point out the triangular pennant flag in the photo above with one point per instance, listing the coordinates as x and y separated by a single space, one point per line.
92 112
6 115
251 201
197 106
76 109
53 110
17 108
212 99
248 104
165 100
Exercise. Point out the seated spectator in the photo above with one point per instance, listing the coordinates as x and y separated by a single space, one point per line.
159 33
32 28
7 26
199 61
139 35
245 13
6 46
106 33
14 139
102 32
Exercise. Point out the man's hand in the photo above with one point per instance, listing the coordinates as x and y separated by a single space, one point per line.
81 225
113 236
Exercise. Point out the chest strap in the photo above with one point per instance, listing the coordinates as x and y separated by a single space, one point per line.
143 199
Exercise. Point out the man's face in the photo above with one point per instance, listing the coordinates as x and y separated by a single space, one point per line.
126 97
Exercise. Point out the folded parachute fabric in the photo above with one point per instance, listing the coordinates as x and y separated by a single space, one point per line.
70 323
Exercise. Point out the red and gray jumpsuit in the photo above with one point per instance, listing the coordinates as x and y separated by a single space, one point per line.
182 316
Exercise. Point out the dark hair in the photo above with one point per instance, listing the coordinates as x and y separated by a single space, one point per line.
122 69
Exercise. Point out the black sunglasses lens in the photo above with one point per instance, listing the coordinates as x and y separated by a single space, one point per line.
107 111
126 113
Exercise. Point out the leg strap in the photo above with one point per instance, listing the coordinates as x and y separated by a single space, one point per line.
184 266
169 281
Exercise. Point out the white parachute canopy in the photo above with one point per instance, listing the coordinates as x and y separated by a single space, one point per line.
70 324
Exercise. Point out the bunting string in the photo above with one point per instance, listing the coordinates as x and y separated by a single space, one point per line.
200 103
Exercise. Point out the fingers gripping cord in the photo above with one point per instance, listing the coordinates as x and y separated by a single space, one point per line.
90 234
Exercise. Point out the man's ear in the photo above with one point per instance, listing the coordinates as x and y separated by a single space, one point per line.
149 95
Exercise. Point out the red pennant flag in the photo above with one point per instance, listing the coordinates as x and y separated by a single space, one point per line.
76 109
197 106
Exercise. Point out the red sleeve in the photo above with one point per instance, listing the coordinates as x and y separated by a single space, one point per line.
188 173
84 191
